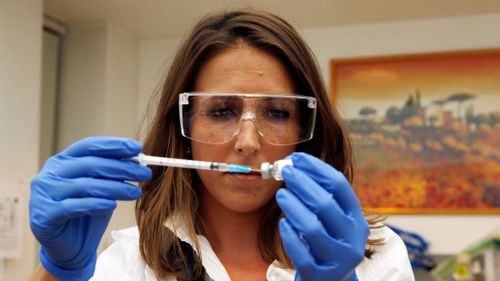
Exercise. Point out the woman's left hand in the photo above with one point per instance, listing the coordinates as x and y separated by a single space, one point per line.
324 230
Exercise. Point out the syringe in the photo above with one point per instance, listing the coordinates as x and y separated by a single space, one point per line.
145 160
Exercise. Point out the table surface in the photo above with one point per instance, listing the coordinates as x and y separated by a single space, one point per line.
423 275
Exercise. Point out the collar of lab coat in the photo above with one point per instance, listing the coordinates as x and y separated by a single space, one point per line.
213 266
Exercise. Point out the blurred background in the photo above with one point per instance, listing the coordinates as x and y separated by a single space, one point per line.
75 68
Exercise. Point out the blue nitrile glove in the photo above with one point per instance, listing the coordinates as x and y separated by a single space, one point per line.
324 231
73 197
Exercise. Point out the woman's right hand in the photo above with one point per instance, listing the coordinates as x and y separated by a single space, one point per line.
73 197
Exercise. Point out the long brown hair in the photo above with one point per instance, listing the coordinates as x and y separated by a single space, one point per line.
172 192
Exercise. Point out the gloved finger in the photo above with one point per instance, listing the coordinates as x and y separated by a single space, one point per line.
97 167
63 188
307 224
77 207
331 179
295 247
319 201
105 147
71 256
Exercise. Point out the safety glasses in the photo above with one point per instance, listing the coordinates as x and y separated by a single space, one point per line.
215 118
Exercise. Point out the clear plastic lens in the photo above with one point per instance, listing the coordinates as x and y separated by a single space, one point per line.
216 118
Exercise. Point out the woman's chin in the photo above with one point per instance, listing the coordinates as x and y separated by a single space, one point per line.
245 203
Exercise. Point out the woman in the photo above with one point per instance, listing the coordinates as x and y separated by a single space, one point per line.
244 88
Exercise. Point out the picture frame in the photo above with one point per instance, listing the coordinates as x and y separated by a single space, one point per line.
425 130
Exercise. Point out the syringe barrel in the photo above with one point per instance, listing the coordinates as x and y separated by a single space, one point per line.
182 163
173 162
190 164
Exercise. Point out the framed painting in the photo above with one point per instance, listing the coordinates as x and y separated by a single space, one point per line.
425 130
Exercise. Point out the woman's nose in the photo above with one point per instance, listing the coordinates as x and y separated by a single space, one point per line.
247 140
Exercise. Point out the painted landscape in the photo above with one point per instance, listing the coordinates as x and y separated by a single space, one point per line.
426 134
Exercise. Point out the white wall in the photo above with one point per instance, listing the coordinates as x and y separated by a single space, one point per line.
459 33
83 83
155 59
122 77
20 75
49 87
99 83
447 234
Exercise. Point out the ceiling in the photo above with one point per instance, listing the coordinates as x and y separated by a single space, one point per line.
152 19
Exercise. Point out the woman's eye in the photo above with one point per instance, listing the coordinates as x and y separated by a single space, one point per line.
277 114
221 113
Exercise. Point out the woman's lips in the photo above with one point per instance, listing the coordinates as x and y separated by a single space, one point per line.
250 177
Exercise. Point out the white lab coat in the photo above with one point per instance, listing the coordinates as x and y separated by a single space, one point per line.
122 260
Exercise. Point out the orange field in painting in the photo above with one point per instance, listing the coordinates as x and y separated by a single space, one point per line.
393 177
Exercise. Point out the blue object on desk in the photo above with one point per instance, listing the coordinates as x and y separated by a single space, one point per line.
417 247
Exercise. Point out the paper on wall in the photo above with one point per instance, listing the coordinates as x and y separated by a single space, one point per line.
11 201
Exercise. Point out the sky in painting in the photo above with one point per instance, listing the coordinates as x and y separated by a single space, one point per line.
389 82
